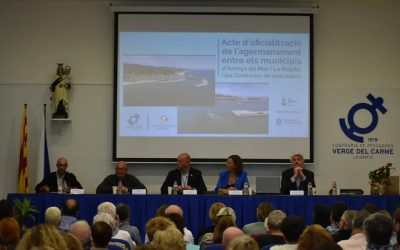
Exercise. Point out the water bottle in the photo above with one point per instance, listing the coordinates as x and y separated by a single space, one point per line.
246 188
174 187
309 188
65 188
334 188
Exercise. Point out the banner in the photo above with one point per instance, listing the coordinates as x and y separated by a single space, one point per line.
23 156
43 166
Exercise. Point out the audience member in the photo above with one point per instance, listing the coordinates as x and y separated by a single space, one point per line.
72 242
157 224
121 179
292 227
6 209
215 237
378 229
244 242
337 211
322 215
118 235
313 236
168 239
212 215
329 245
161 210
52 216
396 217
43 235
59 178
371 208
234 177
274 234
263 210
70 211
227 211
345 226
81 230
9 233
296 177
101 235
185 176
230 234
357 239
124 222
174 209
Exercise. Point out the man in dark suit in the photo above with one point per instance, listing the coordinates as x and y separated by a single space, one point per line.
121 179
296 177
60 178
186 177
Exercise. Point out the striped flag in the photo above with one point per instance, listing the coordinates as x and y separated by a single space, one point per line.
43 167
23 157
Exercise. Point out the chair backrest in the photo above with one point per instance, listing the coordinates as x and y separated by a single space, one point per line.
214 247
267 247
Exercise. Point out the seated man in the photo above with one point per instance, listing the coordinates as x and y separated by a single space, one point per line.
70 211
124 181
59 178
186 177
378 228
296 177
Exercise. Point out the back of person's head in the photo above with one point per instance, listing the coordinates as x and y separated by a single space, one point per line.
358 219
227 211
378 229
81 230
123 211
292 227
174 209
149 246
42 235
161 210
6 209
212 213
327 245
223 223
275 219
70 207
52 216
337 210
72 242
9 232
371 208
169 239
322 215
244 242
105 217
313 236
101 234
229 234
177 220
263 210
347 217
157 224
107 207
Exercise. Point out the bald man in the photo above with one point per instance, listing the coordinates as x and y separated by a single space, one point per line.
124 181
229 234
186 177
58 178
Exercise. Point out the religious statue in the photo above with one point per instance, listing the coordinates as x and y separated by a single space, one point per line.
60 88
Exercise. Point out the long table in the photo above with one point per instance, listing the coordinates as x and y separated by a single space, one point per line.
143 207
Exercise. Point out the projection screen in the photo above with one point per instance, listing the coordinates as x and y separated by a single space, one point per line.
212 84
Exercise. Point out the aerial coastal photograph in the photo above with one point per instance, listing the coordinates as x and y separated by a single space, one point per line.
168 80
240 108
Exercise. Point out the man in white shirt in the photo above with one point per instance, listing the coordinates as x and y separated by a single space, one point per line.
357 239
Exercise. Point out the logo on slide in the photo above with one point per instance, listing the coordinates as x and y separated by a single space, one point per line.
351 130
164 120
133 119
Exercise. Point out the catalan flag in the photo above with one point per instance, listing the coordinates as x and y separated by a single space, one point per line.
23 157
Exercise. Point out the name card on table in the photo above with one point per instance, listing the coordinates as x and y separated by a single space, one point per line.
76 191
296 192
190 192
235 192
139 191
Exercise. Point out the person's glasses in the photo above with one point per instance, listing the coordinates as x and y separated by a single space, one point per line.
62 165
121 168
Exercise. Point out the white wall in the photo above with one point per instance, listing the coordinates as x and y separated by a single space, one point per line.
357 49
